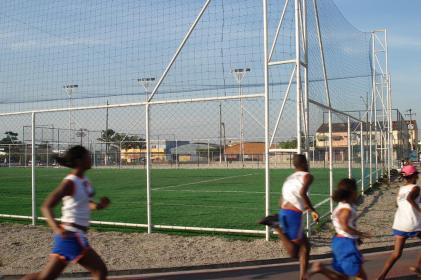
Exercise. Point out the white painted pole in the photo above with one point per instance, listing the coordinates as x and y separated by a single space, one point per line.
298 74
330 160
278 29
349 150
266 94
389 108
180 47
148 171
373 77
306 103
376 137
33 159
10 157
176 153
362 156
241 124
327 93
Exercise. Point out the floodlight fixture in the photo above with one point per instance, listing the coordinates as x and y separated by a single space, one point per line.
146 83
69 89
239 73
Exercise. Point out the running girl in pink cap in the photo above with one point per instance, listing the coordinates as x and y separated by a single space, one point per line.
407 222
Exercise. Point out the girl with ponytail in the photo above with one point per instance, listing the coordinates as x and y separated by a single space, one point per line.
70 240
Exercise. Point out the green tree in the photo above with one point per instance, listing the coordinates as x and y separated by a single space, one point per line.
289 144
10 138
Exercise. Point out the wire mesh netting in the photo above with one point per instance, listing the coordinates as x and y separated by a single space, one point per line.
89 70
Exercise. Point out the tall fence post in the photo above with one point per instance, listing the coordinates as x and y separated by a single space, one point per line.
362 157
148 170
330 160
33 159
266 113
349 150
10 157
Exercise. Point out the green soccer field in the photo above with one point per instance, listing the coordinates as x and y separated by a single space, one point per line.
220 198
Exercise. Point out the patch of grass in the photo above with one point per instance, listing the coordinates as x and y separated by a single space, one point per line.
219 198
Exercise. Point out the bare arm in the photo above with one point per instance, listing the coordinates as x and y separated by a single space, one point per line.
344 215
308 179
103 203
64 189
413 195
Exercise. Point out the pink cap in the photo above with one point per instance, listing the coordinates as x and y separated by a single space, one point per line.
409 170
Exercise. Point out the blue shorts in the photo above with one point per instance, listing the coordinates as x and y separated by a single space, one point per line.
347 259
71 247
405 233
291 223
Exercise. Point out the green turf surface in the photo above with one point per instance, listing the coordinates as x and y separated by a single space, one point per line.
224 198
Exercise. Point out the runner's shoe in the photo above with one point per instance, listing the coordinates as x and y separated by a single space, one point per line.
270 221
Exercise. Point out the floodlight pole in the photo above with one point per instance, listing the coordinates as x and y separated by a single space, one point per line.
239 74
69 89
147 83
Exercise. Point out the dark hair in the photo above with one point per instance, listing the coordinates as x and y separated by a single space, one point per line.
411 177
299 160
346 187
71 156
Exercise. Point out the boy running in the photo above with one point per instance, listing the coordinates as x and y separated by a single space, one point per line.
289 223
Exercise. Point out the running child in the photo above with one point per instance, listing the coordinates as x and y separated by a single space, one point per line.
407 222
70 240
288 223
347 259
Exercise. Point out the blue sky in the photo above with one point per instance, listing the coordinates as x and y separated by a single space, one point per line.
104 46
403 20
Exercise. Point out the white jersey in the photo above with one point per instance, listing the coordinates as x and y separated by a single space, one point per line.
292 188
407 218
76 206
351 222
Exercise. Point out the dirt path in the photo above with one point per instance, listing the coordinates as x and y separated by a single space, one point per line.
26 248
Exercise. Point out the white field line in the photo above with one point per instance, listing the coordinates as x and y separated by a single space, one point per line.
204 181
246 192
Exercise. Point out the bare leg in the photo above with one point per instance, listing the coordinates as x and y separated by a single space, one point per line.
330 274
417 267
94 264
397 253
52 270
361 275
304 253
291 247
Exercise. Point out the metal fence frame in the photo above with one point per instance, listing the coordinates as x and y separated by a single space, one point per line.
303 102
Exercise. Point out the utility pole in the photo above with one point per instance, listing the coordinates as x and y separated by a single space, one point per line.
239 74
70 90
411 127
106 136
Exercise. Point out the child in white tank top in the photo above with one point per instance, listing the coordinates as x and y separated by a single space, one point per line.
70 240
288 223
407 222
347 259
